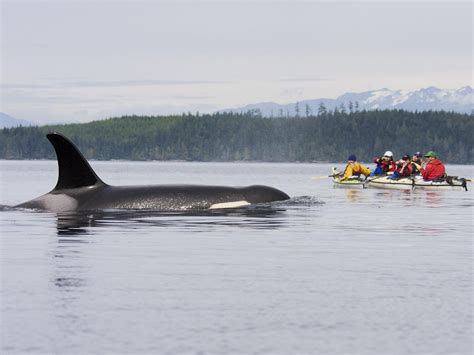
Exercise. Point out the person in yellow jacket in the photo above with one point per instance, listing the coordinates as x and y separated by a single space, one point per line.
416 164
354 168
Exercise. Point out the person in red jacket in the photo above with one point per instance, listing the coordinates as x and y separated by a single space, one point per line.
434 168
404 168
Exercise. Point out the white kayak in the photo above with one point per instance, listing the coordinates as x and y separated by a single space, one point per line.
416 182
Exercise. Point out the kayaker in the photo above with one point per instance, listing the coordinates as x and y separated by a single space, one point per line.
416 163
404 168
433 168
384 164
353 168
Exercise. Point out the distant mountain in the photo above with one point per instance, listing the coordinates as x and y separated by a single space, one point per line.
431 98
7 121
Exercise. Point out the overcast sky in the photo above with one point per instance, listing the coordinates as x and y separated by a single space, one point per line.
82 60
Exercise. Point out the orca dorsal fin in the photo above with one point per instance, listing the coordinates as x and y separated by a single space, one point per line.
74 170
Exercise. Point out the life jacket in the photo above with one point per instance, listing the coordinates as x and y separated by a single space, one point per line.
355 169
415 168
385 165
433 170
406 172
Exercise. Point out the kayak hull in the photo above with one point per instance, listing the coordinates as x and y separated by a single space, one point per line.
350 183
412 183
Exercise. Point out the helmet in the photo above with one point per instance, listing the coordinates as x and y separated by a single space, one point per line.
388 153
352 157
406 157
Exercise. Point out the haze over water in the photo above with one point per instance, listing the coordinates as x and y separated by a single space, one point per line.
331 271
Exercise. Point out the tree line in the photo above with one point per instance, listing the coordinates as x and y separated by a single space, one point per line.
328 136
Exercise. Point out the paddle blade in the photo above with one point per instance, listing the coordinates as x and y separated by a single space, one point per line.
321 177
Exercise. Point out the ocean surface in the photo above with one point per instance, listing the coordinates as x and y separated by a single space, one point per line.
331 271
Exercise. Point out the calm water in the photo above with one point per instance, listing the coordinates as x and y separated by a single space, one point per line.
332 271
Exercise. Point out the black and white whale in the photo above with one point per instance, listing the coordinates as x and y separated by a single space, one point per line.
80 189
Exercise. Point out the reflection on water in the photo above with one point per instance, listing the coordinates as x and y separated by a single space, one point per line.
67 261
422 198
407 198
77 223
353 195
69 280
434 199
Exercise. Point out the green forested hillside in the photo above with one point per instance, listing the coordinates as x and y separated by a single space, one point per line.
226 136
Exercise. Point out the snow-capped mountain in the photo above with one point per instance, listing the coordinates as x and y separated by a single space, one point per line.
7 121
431 98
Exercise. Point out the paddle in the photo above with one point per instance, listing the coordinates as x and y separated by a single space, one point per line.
334 174
321 177
467 179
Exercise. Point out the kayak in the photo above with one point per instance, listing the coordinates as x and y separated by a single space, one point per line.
352 182
416 182
407 183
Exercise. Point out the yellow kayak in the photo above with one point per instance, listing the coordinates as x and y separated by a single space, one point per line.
352 182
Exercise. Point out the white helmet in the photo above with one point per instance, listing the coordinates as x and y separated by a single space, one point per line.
388 153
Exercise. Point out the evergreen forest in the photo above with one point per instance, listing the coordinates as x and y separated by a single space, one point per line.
326 137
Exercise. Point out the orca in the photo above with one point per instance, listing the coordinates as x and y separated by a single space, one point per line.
80 189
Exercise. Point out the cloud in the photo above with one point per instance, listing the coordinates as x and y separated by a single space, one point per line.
300 80
121 83
141 83
192 98
9 86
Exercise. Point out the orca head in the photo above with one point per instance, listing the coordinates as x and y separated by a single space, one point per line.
261 193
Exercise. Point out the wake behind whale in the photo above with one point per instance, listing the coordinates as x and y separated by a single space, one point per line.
80 189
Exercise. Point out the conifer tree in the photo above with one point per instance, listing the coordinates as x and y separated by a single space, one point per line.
322 109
